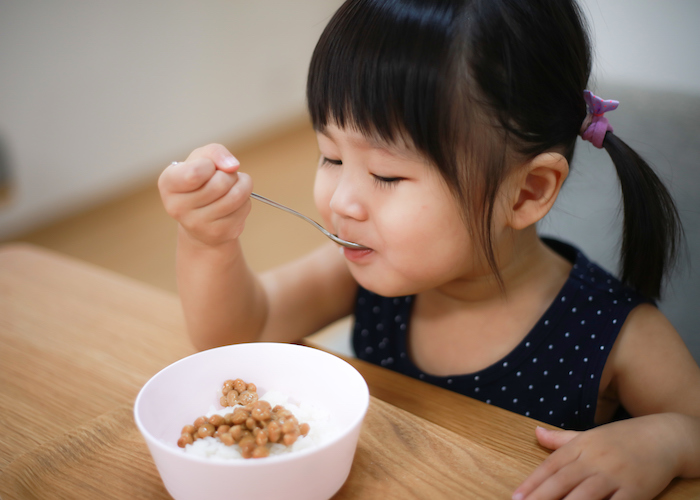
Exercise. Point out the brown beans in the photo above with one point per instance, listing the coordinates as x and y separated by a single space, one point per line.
252 425
216 420
260 436
290 437
232 398
236 432
185 439
274 432
206 430
247 397
240 415
290 425
227 439
247 443
261 414
228 385
222 429
239 385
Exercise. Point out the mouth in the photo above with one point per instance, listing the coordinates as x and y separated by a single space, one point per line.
356 254
348 243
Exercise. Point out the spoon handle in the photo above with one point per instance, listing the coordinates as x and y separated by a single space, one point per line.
332 236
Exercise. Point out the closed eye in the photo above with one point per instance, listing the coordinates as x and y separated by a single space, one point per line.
378 179
386 181
328 161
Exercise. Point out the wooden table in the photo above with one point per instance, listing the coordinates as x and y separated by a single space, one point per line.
77 343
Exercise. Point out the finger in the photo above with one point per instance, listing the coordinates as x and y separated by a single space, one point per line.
224 219
216 187
549 467
559 484
230 225
554 439
596 487
236 198
219 155
185 177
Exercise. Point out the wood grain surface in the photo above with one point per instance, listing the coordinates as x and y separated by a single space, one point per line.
105 458
398 457
77 343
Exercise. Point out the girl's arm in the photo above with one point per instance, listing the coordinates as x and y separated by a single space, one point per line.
308 294
224 301
657 381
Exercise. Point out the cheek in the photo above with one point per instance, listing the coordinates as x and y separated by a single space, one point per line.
323 192
428 241
415 226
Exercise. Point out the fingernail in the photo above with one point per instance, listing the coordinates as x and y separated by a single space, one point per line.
231 161
518 496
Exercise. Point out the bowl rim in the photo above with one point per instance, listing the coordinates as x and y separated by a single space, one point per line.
234 462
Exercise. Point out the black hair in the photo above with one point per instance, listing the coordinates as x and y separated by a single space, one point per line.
478 87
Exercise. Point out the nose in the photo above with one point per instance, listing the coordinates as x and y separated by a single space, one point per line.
347 198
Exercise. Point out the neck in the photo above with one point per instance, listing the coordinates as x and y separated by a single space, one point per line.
470 323
523 261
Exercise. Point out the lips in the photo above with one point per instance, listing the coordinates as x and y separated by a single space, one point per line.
350 237
357 255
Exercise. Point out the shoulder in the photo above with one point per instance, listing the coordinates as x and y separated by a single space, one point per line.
593 296
650 367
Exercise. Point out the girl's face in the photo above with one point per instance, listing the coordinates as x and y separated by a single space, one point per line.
391 200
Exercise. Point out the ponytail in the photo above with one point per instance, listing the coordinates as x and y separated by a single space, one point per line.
652 231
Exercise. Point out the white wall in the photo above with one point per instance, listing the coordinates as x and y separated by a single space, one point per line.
651 43
96 95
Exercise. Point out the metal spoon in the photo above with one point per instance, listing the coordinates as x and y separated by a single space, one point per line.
332 236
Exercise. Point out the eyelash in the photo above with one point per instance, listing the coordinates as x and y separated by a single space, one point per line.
386 181
379 180
328 161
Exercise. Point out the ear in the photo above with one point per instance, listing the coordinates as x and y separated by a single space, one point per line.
537 185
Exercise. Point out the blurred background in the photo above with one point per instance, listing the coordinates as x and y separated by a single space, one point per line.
96 98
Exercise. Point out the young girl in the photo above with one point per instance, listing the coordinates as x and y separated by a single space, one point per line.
446 129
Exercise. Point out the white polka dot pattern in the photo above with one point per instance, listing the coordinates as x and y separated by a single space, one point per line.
552 375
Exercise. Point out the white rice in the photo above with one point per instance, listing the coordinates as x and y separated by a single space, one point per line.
321 430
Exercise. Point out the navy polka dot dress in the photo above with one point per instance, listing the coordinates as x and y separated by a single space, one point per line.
553 375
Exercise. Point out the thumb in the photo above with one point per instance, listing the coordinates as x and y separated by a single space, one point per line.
217 154
552 438
227 162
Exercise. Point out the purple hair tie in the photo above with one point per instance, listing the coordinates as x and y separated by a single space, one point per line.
595 125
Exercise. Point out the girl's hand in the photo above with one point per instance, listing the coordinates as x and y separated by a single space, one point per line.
207 195
631 459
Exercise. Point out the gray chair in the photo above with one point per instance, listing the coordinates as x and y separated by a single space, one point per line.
664 128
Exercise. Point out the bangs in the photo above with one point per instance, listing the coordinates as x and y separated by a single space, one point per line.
461 82
379 68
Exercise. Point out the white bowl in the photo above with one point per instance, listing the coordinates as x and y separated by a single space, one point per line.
188 388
